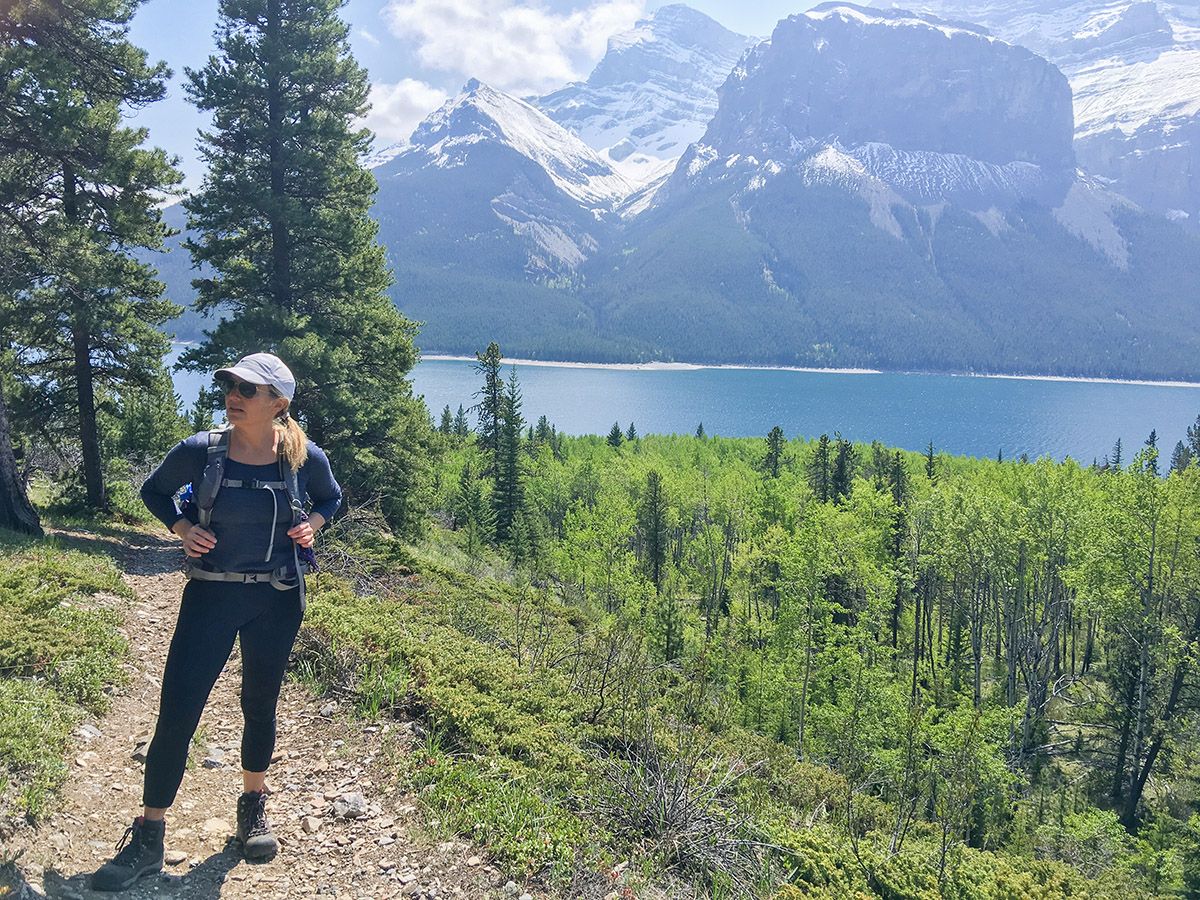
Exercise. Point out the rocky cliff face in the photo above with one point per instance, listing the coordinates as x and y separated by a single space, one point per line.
653 93
1134 68
853 75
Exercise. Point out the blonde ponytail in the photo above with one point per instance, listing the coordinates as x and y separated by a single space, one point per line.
293 442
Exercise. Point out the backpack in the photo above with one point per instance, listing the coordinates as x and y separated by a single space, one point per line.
205 496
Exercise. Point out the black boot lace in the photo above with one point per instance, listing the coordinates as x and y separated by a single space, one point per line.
256 814
131 841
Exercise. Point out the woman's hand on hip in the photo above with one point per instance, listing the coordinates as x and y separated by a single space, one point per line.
197 540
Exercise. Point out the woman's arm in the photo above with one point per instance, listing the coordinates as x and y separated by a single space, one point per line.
177 469
322 488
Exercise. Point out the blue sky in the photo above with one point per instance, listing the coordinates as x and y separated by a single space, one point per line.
418 52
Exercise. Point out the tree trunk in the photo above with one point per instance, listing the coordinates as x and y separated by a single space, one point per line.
89 438
281 259
16 512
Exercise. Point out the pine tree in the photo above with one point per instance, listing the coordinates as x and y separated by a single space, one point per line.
446 426
774 457
700 431
631 434
844 463
473 513
80 197
282 221
652 522
509 494
461 429
931 464
200 417
1115 461
819 470
490 408
1181 458
1193 438
615 437
1152 455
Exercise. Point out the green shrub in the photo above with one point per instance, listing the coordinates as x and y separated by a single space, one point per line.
35 725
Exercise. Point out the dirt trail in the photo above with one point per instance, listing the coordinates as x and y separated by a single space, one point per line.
319 759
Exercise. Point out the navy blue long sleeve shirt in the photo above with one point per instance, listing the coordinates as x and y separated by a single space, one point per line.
242 517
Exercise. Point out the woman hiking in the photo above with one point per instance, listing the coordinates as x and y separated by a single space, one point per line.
244 535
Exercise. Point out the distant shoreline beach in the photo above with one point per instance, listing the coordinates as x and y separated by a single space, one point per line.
688 367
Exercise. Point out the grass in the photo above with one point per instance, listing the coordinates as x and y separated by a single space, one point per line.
60 655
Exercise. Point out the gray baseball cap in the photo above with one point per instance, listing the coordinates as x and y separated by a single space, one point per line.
263 368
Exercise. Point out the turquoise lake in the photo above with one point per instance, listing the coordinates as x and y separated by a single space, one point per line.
960 414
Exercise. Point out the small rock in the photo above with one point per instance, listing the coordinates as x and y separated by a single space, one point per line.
474 861
217 827
350 806
85 759
510 888
310 824
525 897
88 731
59 841
174 857
139 752
328 710
212 762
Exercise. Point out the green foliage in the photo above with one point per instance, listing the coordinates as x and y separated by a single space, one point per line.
80 195
281 227
60 654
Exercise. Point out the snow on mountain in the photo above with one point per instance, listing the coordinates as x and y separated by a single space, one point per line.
653 93
481 113
1134 68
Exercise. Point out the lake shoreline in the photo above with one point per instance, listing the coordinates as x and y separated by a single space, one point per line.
689 367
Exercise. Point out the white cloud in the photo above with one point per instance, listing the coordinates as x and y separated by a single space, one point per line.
368 37
396 109
511 44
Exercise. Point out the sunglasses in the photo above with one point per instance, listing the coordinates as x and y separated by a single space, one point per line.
225 384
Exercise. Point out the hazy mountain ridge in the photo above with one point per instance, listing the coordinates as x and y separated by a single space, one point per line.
652 93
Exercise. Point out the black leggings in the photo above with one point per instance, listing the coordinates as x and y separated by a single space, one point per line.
211 615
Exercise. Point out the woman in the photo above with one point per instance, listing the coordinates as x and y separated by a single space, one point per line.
243 581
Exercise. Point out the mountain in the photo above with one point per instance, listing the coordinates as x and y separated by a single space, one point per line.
1134 67
875 188
652 93
884 189
488 212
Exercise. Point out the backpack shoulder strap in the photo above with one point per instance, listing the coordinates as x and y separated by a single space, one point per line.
214 471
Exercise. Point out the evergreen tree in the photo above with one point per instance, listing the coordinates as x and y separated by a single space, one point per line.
461 429
1152 455
1181 458
774 457
1193 438
631 434
652 522
200 417
931 464
490 408
147 423
844 464
1115 461
473 513
700 431
615 437
819 470
446 426
282 221
509 494
80 196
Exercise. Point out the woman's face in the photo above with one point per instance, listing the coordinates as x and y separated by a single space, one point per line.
257 410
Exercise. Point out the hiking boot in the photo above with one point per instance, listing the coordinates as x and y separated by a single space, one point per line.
253 829
140 852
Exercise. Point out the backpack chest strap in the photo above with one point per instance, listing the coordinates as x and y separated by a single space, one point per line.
253 483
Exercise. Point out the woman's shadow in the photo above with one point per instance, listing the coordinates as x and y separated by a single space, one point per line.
202 881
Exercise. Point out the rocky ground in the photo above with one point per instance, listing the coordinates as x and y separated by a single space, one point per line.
345 830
